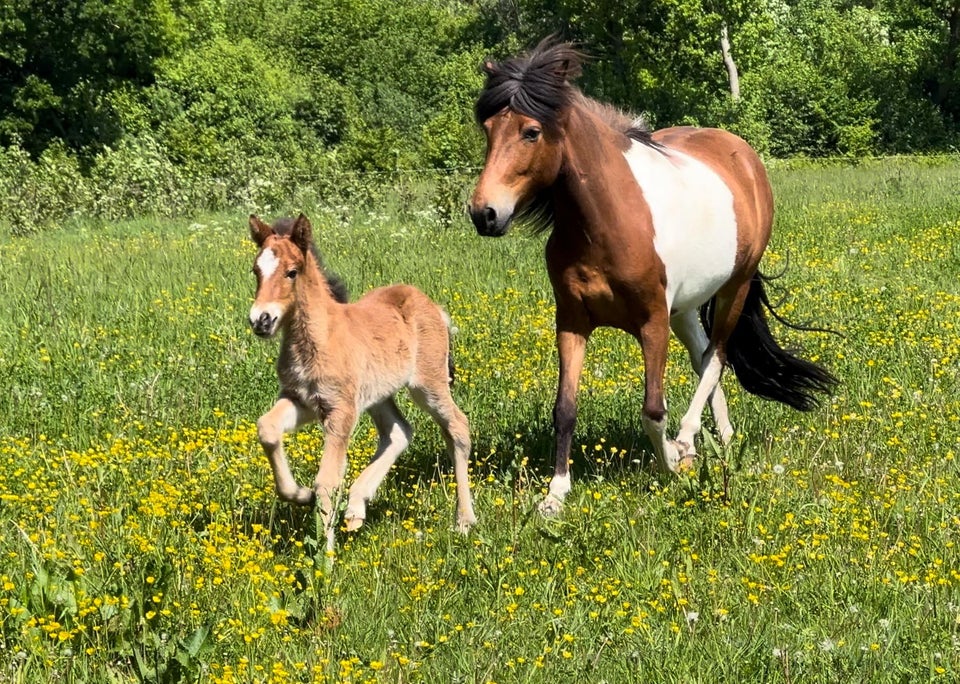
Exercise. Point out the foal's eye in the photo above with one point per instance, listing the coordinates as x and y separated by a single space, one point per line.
292 273
531 134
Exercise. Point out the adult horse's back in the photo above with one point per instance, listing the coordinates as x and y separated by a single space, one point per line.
646 230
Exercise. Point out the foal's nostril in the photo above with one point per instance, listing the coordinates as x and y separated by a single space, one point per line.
264 320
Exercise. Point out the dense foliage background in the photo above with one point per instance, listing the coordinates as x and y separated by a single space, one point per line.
164 106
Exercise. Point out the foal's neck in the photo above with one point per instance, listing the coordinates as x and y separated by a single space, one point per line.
315 306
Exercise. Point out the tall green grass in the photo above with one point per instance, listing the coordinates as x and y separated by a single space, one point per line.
140 539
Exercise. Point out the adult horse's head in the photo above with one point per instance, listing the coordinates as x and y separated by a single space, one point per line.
521 111
282 256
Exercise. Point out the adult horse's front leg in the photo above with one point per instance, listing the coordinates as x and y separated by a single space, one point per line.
285 416
654 339
571 346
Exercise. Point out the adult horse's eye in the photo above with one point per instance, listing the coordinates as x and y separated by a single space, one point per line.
531 134
292 273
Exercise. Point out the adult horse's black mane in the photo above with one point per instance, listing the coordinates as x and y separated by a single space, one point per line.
538 85
338 289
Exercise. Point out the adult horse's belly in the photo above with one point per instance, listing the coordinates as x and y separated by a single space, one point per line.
695 228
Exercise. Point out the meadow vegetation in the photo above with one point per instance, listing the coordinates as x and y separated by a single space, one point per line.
140 539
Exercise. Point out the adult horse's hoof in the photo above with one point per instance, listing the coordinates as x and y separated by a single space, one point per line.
680 456
550 507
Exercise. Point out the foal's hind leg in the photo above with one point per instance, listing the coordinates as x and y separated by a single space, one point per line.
285 416
395 434
438 402
687 328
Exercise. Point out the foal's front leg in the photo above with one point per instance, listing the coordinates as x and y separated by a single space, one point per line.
337 429
285 416
571 346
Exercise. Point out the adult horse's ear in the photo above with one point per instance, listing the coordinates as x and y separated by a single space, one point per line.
302 233
259 231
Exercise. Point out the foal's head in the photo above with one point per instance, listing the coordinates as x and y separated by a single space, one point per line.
521 109
280 261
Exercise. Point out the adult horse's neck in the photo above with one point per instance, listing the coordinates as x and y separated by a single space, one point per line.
597 204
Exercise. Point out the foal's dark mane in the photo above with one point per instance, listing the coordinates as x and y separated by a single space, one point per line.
338 289
539 85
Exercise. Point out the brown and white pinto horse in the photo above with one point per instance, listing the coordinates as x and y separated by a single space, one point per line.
645 231
339 359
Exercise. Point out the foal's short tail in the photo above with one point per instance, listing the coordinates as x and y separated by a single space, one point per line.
451 331
761 365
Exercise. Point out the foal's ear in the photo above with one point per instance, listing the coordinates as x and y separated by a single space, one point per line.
259 231
302 233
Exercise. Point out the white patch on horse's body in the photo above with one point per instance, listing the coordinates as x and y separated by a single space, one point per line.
695 228
267 262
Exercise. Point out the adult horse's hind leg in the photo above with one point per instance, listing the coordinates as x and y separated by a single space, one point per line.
438 402
688 330
285 416
729 304
394 436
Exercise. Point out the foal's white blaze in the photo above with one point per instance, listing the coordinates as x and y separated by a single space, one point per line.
267 262
695 228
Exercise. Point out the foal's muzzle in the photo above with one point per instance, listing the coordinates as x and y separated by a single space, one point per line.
265 325
488 222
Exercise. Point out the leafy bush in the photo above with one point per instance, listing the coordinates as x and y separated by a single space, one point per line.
37 194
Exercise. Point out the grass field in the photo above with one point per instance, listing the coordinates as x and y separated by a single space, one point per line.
140 539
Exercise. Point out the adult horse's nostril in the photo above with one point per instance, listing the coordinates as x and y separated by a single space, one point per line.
485 219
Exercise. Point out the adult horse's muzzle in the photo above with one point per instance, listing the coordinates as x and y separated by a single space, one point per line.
489 222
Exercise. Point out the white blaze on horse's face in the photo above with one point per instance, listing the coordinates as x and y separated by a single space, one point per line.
276 267
523 157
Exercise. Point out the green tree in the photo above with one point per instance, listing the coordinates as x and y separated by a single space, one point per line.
61 57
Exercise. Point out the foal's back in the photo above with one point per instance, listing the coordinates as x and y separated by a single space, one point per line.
399 336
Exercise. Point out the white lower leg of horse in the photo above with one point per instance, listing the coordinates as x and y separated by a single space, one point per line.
687 328
721 416
668 456
709 383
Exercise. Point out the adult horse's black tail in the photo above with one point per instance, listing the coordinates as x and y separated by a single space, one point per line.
761 365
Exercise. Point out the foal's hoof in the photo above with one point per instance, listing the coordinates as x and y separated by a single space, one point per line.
302 496
550 507
464 525
352 524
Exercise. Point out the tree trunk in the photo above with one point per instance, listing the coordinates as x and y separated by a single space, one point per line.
732 74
